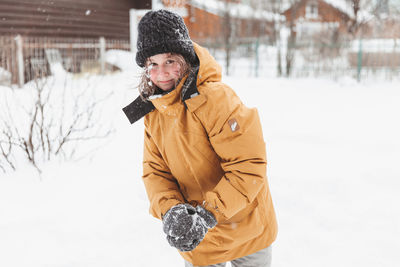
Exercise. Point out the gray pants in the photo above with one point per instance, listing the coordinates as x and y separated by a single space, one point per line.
261 258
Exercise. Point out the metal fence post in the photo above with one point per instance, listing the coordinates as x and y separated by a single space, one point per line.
359 60
20 61
102 55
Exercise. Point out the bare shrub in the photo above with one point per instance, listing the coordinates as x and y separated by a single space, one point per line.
50 118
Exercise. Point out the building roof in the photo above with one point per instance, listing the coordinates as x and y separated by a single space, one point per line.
236 10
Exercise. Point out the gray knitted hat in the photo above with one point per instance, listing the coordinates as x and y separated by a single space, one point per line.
163 31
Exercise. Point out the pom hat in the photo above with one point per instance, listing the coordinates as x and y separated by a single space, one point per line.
163 31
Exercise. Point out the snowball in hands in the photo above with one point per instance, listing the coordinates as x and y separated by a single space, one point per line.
186 225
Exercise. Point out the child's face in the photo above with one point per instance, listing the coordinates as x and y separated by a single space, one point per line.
164 70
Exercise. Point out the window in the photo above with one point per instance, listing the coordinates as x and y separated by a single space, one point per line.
312 10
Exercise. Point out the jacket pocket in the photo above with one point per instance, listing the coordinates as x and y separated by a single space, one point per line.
234 233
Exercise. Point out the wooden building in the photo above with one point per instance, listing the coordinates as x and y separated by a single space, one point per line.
309 17
213 21
74 33
68 18
110 18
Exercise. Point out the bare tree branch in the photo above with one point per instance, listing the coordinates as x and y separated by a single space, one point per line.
55 129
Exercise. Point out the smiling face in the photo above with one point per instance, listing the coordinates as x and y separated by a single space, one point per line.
164 70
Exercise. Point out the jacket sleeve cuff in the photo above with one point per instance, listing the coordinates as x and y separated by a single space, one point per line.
225 201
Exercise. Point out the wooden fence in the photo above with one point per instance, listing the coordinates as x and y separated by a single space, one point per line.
26 58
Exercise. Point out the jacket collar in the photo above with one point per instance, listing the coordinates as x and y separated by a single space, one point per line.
138 109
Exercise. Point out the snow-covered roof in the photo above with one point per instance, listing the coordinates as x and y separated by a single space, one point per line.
346 8
236 10
341 5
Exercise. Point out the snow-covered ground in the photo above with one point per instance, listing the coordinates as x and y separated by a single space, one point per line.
333 151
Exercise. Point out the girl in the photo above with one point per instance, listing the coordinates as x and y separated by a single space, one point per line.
204 162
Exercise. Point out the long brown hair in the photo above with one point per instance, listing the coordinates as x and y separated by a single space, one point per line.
147 88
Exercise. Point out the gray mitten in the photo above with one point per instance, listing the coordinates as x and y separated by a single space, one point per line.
179 219
207 217
189 241
186 226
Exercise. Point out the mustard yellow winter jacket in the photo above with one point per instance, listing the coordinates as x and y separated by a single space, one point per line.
210 150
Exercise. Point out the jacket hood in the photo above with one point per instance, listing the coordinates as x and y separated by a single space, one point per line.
209 69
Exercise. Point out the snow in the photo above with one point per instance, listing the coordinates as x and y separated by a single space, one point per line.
236 10
122 59
377 45
333 153
5 76
307 27
57 69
